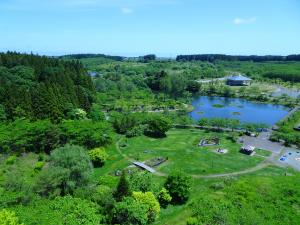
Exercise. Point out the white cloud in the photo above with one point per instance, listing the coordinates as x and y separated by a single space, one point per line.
239 21
126 10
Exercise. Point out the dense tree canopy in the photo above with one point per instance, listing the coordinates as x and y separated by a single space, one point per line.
178 185
40 87
69 168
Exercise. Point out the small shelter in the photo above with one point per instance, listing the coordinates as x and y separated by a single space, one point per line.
238 80
248 149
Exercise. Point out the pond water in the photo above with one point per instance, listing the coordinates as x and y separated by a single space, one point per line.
234 108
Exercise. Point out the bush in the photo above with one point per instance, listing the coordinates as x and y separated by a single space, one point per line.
135 131
143 181
76 211
123 188
39 166
69 168
41 157
164 198
11 160
157 126
149 201
192 221
9 218
178 185
98 156
24 135
85 133
129 212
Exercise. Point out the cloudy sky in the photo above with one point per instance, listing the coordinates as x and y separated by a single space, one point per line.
163 27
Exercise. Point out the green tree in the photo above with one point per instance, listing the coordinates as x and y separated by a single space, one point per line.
69 168
129 212
218 122
142 181
77 114
2 113
9 218
98 156
149 201
24 135
124 122
157 126
74 211
204 122
85 133
227 92
96 113
178 185
123 188
164 197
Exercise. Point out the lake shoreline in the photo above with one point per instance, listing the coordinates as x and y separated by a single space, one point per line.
237 108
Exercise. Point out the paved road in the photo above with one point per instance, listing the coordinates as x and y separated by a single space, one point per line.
263 142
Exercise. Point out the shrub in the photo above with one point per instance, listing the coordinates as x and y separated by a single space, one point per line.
192 221
11 160
76 211
85 133
39 166
69 168
123 188
157 126
77 114
143 181
135 131
149 201
178 185
98 156
164 197
129 211
9 218
41 157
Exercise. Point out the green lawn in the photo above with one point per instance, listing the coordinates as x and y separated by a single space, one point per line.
181 148
263 152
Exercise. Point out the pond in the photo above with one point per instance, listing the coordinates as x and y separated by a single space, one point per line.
235 108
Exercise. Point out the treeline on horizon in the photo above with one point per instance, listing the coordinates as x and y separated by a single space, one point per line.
254 58
193 57
39 87
84 56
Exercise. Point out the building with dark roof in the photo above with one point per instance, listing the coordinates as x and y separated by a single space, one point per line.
238 80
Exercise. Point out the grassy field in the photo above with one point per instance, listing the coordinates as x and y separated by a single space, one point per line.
177 215
181 148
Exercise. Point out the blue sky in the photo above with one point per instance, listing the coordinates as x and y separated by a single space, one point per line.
163 27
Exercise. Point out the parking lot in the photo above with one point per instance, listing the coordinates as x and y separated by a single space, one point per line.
262 141
290 157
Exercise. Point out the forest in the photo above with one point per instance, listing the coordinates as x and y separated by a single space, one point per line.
254 58
39 87
67 141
